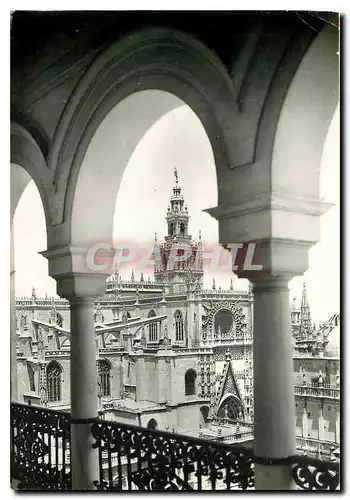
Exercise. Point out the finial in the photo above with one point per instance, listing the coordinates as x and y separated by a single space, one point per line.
200 235
155 237
214 285
231 284
142 278
33 293
132 276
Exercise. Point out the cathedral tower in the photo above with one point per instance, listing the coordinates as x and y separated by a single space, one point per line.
179 259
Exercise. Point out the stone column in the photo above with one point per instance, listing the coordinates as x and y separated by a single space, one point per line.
13 333
305 422
83 383
274 433
320 424
81 291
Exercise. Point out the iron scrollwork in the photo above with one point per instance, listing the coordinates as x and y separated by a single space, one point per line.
154 460
40 443
311 474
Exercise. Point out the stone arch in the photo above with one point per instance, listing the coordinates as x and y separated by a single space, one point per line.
190 74
190 382
28 163
152 424
231 407
305 118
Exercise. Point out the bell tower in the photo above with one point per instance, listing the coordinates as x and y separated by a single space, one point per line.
179 256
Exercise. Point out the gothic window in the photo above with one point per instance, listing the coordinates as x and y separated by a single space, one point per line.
59 320
105 377
179 327
182 228
128 315
53 375
152 328
190 383
152 424
171 229
31 376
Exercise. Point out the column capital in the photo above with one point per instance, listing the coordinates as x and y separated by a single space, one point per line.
81 288
279 260
76 279
283 227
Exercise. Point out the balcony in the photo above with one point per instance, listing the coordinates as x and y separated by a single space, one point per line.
315 391
138 459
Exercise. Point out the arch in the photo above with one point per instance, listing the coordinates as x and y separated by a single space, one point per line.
303 123
231 408
188 73
179 326
54 381
190 382
152 424
28 163
152 327
104 372
204 411
182 228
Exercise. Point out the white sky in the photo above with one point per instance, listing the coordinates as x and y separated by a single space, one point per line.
179 139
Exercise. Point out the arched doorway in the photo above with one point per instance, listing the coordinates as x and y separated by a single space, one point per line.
152 424
231 408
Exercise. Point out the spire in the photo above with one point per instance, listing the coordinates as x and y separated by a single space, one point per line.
305 316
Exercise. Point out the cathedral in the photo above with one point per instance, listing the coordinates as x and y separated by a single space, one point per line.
173 356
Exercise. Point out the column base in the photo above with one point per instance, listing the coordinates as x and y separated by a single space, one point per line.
273 477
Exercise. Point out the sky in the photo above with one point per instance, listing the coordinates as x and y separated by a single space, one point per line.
178 139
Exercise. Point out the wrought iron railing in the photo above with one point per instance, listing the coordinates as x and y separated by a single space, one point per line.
40 448
135 458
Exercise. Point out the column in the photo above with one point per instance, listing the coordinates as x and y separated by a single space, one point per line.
83 382
13 334
320 424
274 412
305 422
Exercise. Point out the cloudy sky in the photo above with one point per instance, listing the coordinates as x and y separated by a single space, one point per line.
178 139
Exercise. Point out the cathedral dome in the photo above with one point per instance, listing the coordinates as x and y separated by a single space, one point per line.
333 345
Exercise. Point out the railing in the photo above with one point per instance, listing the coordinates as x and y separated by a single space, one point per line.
40 448
322 392
135 458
